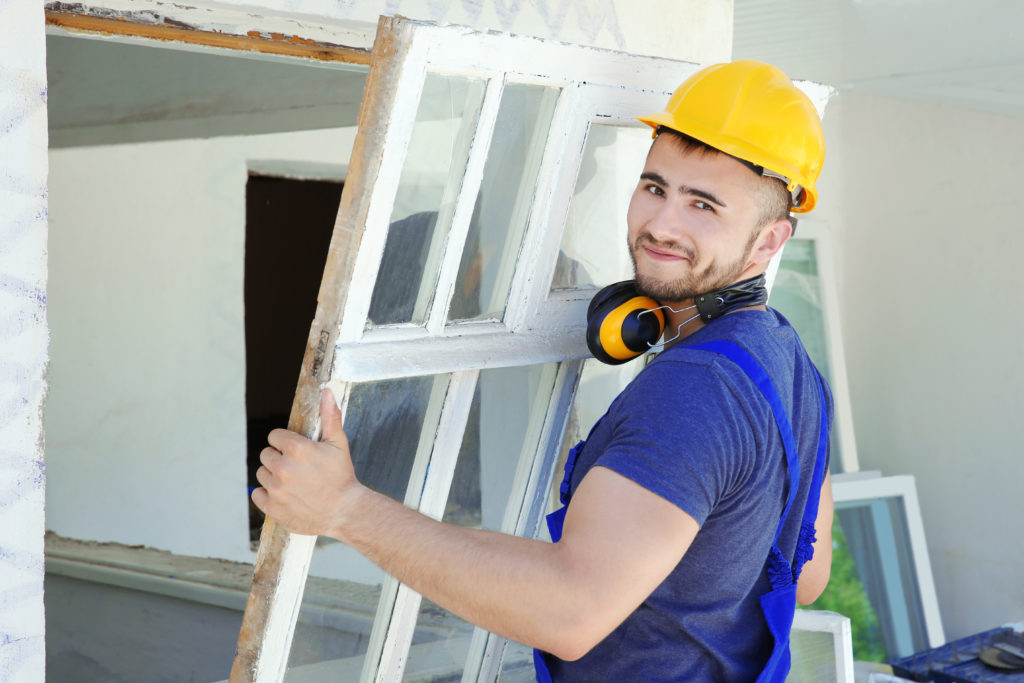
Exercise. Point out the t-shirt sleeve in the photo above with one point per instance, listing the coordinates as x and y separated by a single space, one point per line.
682 433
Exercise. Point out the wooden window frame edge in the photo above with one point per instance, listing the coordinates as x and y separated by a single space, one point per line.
261 42
283 559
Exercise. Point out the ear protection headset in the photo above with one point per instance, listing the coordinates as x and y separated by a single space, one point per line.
622 323
616 330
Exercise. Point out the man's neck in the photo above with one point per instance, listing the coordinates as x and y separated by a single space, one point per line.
686 321
673 320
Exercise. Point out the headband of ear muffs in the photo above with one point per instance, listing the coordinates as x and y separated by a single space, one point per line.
622 323
616 332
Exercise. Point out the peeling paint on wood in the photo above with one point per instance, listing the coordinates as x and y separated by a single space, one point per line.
262 652
79 18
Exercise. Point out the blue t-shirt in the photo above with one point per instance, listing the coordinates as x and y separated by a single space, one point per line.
695 430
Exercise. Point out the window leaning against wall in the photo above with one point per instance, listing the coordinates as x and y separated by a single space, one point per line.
455 359
804 290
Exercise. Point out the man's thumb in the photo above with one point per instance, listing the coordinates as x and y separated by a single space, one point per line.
330 420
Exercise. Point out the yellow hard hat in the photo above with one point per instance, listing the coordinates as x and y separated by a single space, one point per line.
752 111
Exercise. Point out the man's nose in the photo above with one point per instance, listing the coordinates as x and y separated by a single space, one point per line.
666 224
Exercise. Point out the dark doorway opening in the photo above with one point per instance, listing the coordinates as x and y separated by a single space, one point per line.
287 233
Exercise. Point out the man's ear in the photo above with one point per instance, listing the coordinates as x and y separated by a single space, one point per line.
770 240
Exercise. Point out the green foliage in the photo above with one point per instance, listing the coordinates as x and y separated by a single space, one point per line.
845 595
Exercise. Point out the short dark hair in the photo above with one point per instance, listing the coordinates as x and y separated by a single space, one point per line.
774 200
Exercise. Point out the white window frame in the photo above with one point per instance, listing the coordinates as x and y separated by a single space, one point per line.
536 327
816 232
820 621
864 487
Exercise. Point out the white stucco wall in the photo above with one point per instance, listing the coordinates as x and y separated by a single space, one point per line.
924 203
692 30
23 337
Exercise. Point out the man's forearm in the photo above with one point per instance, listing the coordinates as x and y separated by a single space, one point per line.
516 587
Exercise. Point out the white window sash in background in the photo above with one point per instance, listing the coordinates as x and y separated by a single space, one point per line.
817 234
809 664
920 597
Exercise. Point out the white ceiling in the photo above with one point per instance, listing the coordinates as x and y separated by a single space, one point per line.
104 91
967 53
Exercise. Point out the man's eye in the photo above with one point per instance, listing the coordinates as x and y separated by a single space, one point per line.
703 206
655 190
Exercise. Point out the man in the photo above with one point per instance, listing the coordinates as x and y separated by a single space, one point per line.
675 499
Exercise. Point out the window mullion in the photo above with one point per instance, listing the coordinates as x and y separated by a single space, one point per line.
523 207
467 190
444 241
387 360
528 503
391 591
555 179
837 355
376 165
431 492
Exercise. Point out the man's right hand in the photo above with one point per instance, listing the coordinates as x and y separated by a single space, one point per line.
308 486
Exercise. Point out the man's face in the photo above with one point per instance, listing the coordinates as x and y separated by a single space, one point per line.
691 222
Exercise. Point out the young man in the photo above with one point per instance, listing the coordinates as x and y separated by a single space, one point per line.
676 498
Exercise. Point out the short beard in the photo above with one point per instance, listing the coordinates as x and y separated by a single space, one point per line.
713 276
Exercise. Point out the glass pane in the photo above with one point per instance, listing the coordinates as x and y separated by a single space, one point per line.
874 581
503 204
599 385
517 665
387 424
593 251
796 293
813 657
501 436
432 173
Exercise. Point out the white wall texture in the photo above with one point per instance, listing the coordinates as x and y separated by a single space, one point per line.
690 30
23 337
145 418
924 202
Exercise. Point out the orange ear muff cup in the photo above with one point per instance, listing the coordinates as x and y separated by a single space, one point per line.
616 330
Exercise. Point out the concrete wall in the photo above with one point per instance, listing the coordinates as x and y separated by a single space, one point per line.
23 337
100 633
924 203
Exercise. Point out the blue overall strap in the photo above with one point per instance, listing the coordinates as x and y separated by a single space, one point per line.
738 355
806 539
779 604
555 521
